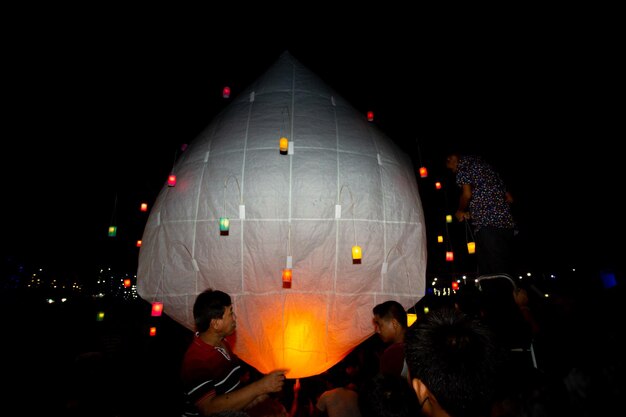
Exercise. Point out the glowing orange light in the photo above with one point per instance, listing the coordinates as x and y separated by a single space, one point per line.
226 92
471 247
410 319
143 207
301 322
370 116
440 239
126 282
171 180
138 244
438 185
152 331
283 145
287 274
423 172
449 256
157 308
455 285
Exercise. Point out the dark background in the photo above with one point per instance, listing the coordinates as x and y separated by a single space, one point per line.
96 110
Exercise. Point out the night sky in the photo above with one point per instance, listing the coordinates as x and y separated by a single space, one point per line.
97 112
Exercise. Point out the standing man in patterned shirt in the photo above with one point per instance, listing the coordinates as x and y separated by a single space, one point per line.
485 202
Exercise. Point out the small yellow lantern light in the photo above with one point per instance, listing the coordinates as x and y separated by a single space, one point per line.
471 247
448 218
112 231
356 254
440 239
283 145
410 319
100 316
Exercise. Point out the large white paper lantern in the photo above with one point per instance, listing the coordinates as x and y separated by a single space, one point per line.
342 183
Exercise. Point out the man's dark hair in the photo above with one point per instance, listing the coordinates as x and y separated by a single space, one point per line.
210 304
391 309
457 358
387 395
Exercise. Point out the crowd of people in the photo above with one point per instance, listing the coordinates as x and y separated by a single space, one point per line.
470 356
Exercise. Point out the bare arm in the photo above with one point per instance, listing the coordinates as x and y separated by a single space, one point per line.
242 397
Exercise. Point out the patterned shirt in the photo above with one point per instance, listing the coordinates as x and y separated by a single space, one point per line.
488 206
208 371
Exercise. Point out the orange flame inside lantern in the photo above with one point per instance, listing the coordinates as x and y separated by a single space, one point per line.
295 333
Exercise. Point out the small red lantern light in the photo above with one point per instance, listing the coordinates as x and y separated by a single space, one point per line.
226 92
138 243
455 285
153 331
449 256
370 116
287 274
438 185
143 207
423 172
171 180
157 308
126 282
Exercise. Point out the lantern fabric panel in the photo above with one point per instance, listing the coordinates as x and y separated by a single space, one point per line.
339 158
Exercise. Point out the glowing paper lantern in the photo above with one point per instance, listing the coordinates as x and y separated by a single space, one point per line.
171 180
423 172
455 285
370 116
471 247
157 309
153 331
438 185
287 273
143 207
224 226
283 145
100 316
290 208
138 244
112 231
126 282
356 254
448 218
411 318
226 92
439 239
449 256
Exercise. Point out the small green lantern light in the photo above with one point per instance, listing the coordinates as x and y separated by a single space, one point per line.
224 225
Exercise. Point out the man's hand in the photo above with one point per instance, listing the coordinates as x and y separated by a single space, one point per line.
274 381
462 215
